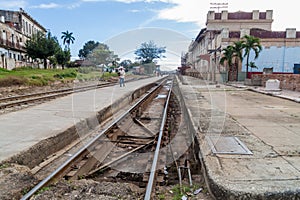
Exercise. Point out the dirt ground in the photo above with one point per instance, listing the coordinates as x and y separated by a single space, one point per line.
15 180
90 190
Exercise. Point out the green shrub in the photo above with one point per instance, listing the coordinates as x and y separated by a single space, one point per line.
22 68
3 70
86 70
37 82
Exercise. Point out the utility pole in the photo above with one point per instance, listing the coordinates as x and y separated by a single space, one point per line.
218 5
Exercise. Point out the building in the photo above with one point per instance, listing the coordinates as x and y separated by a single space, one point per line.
281 49
16 27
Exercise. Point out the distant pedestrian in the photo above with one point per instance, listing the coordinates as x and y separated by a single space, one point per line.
121 77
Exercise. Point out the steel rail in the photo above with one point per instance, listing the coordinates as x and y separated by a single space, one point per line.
12 101
92 86
156 154
22 99
66 164
53 91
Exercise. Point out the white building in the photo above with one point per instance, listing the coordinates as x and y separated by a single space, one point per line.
16 27
281 49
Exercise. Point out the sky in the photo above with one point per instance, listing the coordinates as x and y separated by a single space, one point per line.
125 24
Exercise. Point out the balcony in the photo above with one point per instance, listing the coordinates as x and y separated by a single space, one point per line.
11 45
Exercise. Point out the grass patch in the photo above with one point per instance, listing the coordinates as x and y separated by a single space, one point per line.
107 75
43 190
4 165
161 197
177 193
42 77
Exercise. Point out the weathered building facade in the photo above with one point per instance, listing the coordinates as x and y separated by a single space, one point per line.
16 27
281 49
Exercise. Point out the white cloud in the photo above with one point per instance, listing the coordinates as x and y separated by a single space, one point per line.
92 0
135 11
186 11
11 4
47 6
55 5
128 1
74 5
195 11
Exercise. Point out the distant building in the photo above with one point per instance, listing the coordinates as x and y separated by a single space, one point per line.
16 27
281 49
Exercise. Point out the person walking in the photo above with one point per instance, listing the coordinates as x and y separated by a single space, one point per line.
122 77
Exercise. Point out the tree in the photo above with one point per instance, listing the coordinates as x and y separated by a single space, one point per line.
67 38
126 63
252 65
42 46
238 54
102 55
227 56
148 52
251 43
63 56
87 49
228 53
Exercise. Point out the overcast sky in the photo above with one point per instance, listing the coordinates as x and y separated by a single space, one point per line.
105 20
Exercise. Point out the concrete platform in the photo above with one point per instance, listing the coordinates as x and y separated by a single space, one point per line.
268 126
69 115
285 94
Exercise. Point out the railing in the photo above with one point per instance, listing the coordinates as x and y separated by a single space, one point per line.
13 45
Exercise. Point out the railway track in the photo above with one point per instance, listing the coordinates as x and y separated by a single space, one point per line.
141 130
36 98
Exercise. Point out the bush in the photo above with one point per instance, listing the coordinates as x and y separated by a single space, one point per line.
37 82
65 75
3 70
86 70
22 68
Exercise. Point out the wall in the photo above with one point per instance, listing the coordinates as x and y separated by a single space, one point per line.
287 81
282 59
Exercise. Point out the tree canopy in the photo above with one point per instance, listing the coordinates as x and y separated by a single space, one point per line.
87 49
247 44
102 55
251 43
67 38
42 46
63 56
148 52
126 63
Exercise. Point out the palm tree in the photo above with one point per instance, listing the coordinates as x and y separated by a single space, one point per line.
67 38
238 54
227 57
251 43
